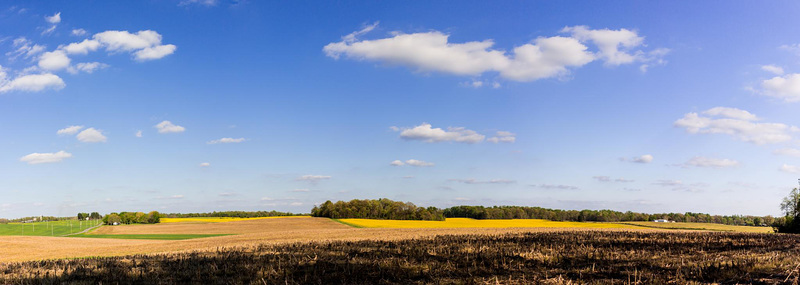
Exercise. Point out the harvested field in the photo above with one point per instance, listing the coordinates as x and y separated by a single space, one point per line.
220 219
245 233
551 257
702 226
487 223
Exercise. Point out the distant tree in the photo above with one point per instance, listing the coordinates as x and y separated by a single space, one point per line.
95 216
112 218
791 210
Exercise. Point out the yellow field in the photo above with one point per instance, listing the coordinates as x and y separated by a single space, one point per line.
217 219
472 223
702 226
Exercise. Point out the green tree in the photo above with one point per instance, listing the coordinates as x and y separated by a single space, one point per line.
791 209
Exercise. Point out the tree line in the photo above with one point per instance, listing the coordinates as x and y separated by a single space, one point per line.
231 214
376 209
153 217
522 212
92 216
395 210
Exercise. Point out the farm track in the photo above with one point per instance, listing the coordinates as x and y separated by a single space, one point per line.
545 257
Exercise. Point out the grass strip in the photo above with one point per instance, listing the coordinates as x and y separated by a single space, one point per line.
152 236
346 223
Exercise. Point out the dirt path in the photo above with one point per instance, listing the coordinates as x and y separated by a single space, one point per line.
84 231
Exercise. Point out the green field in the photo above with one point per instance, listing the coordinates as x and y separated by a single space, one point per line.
151 236
56 228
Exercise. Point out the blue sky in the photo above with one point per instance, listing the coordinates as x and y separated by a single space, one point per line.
197 106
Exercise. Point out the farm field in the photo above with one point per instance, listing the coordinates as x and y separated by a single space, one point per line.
702 226
219 219
473 223
232 234
539 257
55 228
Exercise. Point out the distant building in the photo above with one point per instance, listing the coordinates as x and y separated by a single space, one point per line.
663 221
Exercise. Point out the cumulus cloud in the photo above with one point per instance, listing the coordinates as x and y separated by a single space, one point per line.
48 157
79 32
543 57
787 152
54 60
88 67
699 161
492 181
166 127
790 168
556 187
777 70
145 45
737 123
501 136
138 134
31 82
786 87
412 162
205 164
83 47
91 135
647 158
425 132
226 140
313 178
55 19
71 130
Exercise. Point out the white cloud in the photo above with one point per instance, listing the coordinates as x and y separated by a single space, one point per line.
613 45
785 87
426 133
732 113
199 2
54 60
168 127
602 178
397 163
419 163
623 180
700 161
313 178
55 19
777 70
37 158
91 135
544 57
139 134
556 187
155 52
738 124
83 47
788 152
226 140
71 130
79 32
492 181
501 136
25 48
642 159
31 83
790 168
301 190
668 183
88 67
205 164
146 45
